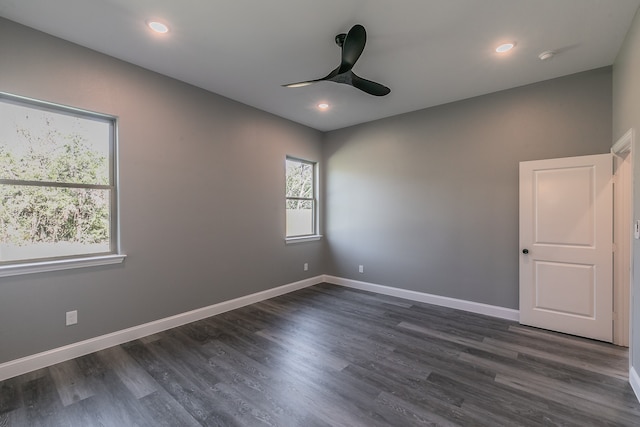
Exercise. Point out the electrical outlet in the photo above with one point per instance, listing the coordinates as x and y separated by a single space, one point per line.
361 268
72 317
306 266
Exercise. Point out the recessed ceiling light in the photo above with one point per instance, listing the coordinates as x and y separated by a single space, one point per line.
158 27
505 47
323 106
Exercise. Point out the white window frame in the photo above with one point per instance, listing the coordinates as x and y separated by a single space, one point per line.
113 256
314 235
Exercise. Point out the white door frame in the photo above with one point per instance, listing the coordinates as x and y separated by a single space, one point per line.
623 230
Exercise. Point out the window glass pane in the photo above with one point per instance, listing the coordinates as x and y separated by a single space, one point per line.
299 217
40 145
299 179
42 222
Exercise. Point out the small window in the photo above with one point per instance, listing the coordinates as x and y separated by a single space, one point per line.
57 182
301 200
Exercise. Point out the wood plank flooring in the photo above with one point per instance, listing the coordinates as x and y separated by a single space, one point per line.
332 356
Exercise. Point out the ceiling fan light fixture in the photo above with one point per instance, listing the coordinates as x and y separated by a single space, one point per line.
158 27
505 47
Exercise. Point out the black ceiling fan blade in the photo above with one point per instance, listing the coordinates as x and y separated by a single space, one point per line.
300 84
352 47
372 88
308 82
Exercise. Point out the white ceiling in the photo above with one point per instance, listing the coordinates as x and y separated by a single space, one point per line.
429 52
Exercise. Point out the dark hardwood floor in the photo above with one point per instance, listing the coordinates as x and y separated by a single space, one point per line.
332 356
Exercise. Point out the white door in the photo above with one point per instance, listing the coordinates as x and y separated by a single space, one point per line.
566 244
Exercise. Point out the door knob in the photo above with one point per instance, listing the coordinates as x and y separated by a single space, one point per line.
525 251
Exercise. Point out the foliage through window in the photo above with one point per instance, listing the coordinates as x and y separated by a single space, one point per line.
57 181
301 202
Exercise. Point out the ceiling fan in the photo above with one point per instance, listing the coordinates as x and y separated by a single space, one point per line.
352 45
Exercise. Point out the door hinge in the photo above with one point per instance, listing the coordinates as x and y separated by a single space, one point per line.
614 247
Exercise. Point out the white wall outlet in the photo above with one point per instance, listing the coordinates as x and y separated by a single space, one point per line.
306 266
72 317
361 268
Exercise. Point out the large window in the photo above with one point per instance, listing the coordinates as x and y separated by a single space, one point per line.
57 182
301 200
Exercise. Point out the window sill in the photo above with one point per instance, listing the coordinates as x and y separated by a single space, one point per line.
302 239
63 264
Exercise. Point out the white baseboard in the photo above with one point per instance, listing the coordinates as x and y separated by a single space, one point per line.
51 357
474 307
634 380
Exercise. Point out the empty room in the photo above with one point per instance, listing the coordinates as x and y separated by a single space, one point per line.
337 213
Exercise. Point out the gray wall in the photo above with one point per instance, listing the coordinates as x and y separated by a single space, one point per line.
201 198
626 115
428 201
